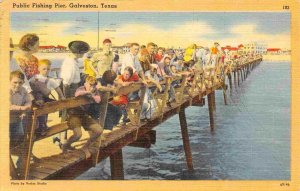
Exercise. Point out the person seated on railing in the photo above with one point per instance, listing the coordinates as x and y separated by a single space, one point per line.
128 77
70 72
20 104
42 85
81 117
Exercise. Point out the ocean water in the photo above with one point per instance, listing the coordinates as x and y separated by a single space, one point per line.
251 140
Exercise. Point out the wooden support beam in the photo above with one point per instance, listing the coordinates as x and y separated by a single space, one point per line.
224 93
165 98
12 169
185 139
145 141
230 82
102 116
238 76
28 145
211 111
181 90
116 166
199 102
234 79
213 93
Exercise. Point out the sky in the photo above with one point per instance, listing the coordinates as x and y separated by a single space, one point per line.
167 29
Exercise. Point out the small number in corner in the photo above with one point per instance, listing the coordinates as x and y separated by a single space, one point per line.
285 7
284 184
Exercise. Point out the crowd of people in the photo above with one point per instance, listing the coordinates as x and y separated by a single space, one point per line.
31 85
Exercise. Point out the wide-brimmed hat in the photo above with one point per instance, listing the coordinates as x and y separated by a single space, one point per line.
79 47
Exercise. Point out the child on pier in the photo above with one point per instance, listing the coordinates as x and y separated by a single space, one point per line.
20 104
42 85
80 117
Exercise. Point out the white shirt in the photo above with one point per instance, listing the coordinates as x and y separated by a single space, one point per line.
70 72
15 66
52 83
130 60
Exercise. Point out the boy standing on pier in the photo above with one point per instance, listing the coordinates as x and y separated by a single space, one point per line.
20 104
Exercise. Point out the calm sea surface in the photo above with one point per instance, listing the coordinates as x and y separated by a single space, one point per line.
251 140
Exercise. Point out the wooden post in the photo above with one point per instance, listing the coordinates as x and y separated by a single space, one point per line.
181 91
116 166
12 168
224 93
230 82
213 93
165 98
102 117
234 79
211 111
28 145
238 76
185 139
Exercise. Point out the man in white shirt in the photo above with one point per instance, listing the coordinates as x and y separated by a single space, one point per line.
70 72
131 59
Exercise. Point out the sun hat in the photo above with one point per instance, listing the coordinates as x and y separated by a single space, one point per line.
79 47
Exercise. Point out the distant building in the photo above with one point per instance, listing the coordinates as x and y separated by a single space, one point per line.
233 50
241 49
120 49
273 51
52 48
61 48
255 47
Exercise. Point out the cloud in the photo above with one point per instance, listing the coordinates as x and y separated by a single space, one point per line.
246 33
180 35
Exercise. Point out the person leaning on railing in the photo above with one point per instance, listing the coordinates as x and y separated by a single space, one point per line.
127 78
42 85
80 117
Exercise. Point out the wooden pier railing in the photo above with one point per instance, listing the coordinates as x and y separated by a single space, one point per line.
137 133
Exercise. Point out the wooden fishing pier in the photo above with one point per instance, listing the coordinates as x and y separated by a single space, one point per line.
137 133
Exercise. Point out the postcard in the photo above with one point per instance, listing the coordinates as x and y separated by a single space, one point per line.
149 95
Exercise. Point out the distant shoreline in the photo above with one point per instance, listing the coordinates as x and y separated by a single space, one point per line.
277 57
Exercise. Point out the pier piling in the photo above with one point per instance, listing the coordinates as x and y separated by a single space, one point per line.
211 111
116 166
185 139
